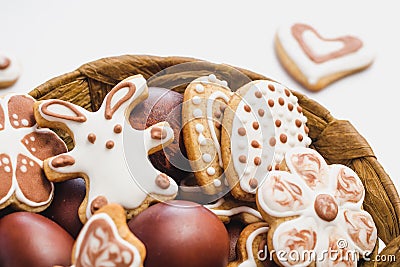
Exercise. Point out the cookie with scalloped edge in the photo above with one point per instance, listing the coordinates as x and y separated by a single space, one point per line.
263 120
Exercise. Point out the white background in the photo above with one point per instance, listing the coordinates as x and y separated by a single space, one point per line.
54 37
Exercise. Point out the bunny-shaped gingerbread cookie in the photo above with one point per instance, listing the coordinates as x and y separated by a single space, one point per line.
109 154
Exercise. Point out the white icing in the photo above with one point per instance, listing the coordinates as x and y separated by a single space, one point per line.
233 211
272 203
199 128
206 158
123 174
13 137
197 113
250 262
196 100
314 71
93 240
199 88
217 182
210 120
12 72
210 171
320 47
241 145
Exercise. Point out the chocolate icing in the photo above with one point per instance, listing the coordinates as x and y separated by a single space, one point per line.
350 44
32 177
44 145
326 207
62 161
4 63
29 239
79 117
181 233
109 112
22 107
164 105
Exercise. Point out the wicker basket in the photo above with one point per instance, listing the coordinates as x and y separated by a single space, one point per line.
336 140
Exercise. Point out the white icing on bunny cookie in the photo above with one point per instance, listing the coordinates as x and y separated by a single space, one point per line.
318 57
268 121
23 147
110 154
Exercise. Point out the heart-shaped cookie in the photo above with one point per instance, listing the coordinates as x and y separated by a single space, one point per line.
316 61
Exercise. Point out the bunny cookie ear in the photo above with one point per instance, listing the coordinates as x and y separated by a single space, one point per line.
62 110
119 98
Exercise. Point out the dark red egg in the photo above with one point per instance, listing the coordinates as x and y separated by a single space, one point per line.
29 239
181 233
68 196
164 105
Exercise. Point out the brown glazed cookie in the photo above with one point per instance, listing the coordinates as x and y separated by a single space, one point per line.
23 148
105 240
315 61
109 154
204 102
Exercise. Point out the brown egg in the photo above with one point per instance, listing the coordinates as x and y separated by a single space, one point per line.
29 239
68 196
164 105
181 233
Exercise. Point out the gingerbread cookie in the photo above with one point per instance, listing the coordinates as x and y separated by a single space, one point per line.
204 102
10 71
316 207
23 148
252 247
109 154
315 61
106 240
262 122
228 208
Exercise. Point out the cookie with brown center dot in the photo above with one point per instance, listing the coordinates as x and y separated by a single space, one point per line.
263 120
204 102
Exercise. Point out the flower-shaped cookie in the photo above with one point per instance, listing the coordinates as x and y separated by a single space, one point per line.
315 212
23 147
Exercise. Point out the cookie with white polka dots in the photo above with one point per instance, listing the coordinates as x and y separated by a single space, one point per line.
263 121
23 147
204 102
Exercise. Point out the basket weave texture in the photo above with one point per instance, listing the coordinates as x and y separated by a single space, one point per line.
336 140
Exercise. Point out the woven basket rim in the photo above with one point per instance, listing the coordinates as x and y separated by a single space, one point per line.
107 72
